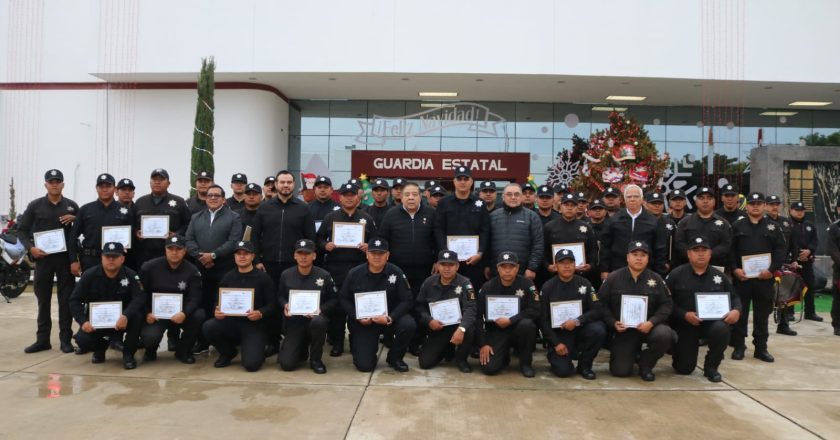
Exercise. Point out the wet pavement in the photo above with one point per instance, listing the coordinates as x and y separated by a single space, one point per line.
54 395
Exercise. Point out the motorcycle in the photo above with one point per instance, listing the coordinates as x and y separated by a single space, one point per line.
14 267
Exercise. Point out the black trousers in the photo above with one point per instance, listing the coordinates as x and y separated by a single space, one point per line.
835 301
300 333
57 265
437 346
627 345
226 334
716 333
100 339
584 341
810 280
475 273
759 293
274 326
152 334
522 336
364 341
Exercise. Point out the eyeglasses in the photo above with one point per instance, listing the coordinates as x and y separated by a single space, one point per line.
508 194
214 196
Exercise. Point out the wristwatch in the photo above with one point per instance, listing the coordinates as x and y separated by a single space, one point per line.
463 329
213 256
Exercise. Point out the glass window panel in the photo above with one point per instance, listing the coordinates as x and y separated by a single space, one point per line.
294 118
722 134
422 144
534 120
794 127
826 122
340 148
648 116
495 145
682 124
423 123
752 122
502 120
572 119
294 152
314 117
541 151
314 152
346 117
457 144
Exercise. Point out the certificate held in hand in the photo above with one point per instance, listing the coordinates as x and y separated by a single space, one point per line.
154 226
118 234
104 315
448 311
167 305
51 242
634 309
371 304
753 265
304 302
712 305
562 311
501 307
348 235
236 301
465 246
575 248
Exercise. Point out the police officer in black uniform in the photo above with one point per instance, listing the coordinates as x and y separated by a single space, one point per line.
159 202
803 249
444 337
612 200
581 336
305 334
497 337
125 196
755 235
629 225
685 282
435 194
172 274
655 204
487 193
253 198
729 199
833 251
773 208
236 201
110 281
374 276
637 279
545 204
462 213
339 260
396 191
676 206
379 190
323 203
203 181
105 211
567 229
707 224
268 187
248 332
50 213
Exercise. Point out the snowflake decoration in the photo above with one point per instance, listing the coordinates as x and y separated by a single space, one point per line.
124 282
675 179
319 282
520 292
172 203
123 211
651 283
583 229
771 227
564 170
458 290
582 290
479 203
717 279
392 279
182 285
718 222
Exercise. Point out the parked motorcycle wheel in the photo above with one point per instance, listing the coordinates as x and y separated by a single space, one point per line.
15 280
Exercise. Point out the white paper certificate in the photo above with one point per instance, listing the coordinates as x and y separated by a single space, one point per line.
166 305
104 314
371 304
501 307
562 311
712 305
348 235
154 226
448 311
464 245
754 264
236 302
634 310
304 302
576 248
119 234
50 242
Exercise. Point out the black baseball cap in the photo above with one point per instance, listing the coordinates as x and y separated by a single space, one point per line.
348 188
676 194
704 190
305 245
105 178
729 190
208 175
755 197
568 198
638 246
564 254
399 181
488 186
176 241
527 187
462 172
125 183
161 173
53 174
447 256
699 242
380 183
323 180
773 199
430 184
610 192
654 197
507 257
269 179
596 204
238 178
438 190
378 245
246 246
797 206
545 191
253 187
561 188
113 248
581 197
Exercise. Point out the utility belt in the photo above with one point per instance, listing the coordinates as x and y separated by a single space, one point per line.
91 252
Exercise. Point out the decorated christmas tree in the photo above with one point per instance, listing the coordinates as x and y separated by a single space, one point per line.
567 166
620 155
202 146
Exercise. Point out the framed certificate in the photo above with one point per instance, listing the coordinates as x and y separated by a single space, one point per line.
634 309
754 264
166 305
576 248
562 311
236 301
154 226
371 304
51 242
501 307
348 235
304 302
119 234
447 311
104 315
712 305
464 245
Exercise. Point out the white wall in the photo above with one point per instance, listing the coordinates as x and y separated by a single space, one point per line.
128 133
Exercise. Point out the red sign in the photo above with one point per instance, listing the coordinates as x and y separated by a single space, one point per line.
440 165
